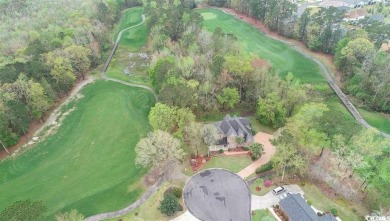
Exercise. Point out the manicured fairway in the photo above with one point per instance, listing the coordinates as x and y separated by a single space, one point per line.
88 164
280 55
132 41
134 38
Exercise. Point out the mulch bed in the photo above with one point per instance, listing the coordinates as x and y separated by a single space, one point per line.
199 162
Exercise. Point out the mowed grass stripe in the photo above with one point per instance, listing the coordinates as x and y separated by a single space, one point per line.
135 38
280 55
88 164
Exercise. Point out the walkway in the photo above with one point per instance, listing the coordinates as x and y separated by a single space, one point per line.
269 151
128 209
344 99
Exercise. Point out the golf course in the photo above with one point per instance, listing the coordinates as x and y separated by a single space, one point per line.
281 56
88 164
132 41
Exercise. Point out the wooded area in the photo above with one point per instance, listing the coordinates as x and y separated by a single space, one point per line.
356 51
203 71
46 46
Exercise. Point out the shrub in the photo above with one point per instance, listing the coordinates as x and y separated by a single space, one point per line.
319 214
333 211
193 156
264 168
177 192
73 215
24 210
309 202
180 208
169 205
220 151
267 183
245 148
258 188
253 157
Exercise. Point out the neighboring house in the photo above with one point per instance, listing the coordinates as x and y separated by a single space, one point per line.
378 17
355 14
295 208
229 129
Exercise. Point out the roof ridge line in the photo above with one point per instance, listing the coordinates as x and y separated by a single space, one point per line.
302 207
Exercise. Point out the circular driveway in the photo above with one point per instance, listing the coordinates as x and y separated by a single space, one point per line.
218 195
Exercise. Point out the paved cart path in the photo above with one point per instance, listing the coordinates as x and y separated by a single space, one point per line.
344 99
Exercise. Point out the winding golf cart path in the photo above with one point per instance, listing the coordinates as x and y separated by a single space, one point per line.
156 186
344 99
109 215
105 67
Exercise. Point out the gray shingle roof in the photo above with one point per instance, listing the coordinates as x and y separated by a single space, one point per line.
327 217
235 126
297 209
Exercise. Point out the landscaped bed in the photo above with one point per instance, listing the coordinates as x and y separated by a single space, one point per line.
88 164
258 187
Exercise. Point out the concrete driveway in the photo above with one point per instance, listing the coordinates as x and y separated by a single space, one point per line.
269 151
269 199
187 216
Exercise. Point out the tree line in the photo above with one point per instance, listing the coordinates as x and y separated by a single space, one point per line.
324 30
46 47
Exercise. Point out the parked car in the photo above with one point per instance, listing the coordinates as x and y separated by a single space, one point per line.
279 190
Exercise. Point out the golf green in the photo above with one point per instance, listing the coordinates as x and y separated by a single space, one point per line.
280 55
88 164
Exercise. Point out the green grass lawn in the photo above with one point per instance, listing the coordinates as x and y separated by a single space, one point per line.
324 203
263 215
232 163
149 209
88 164
133 41
279 54
377 120
263 190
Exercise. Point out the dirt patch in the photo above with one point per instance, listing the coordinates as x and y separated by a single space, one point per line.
38 130
153 176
